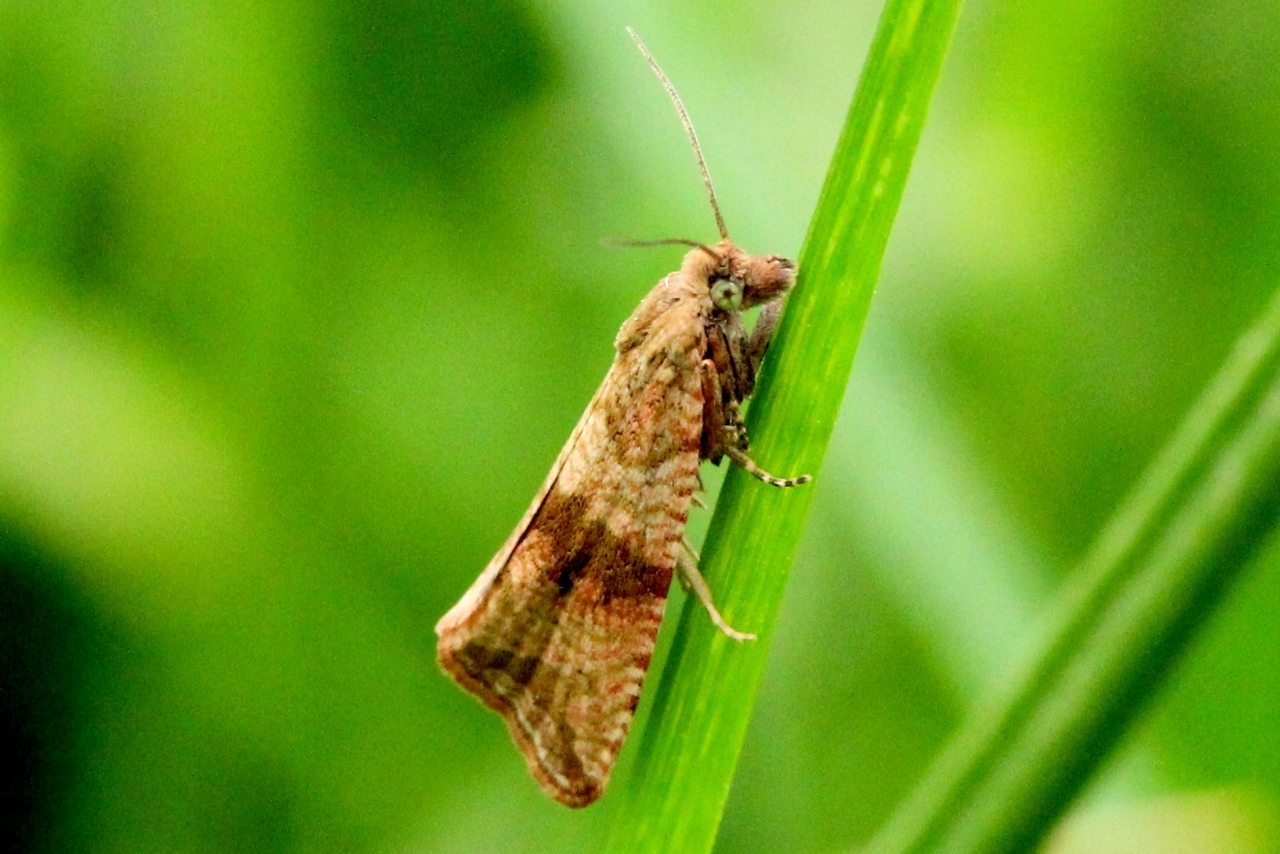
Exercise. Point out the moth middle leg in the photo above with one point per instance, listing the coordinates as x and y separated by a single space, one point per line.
725 434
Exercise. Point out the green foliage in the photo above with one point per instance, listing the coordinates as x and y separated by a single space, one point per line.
299 300
1195 520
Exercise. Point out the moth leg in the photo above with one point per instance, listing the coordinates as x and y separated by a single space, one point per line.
723 432
692 554
697 499
692 581
740 457
713 442
763 334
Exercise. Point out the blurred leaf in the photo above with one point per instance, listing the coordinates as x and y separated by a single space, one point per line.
1206 505
419 80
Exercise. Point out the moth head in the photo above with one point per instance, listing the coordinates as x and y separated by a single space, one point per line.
766 278
738 280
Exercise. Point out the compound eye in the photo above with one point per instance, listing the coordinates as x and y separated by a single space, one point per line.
727 295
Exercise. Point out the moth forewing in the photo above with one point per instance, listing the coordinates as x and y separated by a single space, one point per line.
558 639
557 633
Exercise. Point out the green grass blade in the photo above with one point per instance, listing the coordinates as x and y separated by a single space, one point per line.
674 798
1204 507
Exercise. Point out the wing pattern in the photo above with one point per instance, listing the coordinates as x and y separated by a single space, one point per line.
557 633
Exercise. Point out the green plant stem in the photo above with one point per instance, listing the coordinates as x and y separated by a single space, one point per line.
674 799
1204 507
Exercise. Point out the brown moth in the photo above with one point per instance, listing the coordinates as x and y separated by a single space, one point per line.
557 632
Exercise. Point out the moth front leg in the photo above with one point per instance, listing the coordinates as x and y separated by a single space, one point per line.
762 335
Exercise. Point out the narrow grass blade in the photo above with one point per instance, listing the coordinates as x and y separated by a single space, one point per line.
674 799
1204 507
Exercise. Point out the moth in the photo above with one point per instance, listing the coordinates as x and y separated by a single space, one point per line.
557 632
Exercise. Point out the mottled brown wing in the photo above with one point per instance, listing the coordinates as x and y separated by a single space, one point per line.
557 633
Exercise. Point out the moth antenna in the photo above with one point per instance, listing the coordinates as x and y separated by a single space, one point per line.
688 129
666 241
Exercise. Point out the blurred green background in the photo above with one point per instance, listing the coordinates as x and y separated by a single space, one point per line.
299 300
